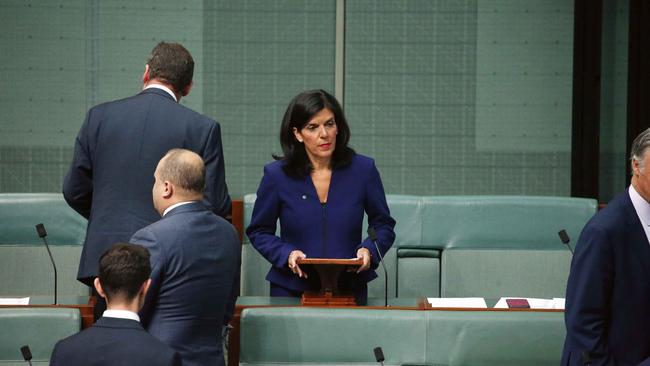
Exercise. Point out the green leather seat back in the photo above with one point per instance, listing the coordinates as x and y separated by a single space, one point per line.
30 272
495 246
493 273
418 272
40 328
298 336
20 212
494 338
23 256
322 336
518 222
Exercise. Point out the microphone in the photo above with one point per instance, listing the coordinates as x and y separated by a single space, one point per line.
40 230
565 239
373 237
379 355
27 354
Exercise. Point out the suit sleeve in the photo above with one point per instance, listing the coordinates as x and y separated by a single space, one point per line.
216 190
234 290
379 217
263 225
78 182
146 238
588 305
55 359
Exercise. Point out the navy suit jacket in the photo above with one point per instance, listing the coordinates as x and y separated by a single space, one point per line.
115 156
113 341
608 293
195 260
332 230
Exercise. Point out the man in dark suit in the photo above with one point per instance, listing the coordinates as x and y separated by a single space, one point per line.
118 338
195 260
119 145
608 293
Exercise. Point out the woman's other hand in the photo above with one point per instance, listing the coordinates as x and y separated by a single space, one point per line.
293 266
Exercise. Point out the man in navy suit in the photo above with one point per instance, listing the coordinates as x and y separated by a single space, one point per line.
608 293
119 145
195 260
118 338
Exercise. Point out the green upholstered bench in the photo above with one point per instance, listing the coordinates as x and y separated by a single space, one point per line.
23 257
494 246
321 336
39 328
457 246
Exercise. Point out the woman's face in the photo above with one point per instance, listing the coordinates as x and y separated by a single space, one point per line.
319 136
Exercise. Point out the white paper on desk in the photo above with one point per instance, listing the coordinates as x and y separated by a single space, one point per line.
558 303
457 302
555 303
14 300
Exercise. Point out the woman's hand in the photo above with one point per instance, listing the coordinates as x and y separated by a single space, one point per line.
293 266
363 253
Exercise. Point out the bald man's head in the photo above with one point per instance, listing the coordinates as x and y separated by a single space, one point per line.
180 176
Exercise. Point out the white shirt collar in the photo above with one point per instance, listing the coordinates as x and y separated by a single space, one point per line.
122 314
641 206
162 87
174 206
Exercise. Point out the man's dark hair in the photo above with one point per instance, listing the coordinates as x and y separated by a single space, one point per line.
123 268
300 111
184 172
171 63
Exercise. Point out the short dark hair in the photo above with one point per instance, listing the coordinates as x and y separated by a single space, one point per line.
300 111
123 268
171 63
185 173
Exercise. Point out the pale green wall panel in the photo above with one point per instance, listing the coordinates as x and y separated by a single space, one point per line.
258 55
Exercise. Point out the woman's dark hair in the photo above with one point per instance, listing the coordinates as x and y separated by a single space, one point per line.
299 112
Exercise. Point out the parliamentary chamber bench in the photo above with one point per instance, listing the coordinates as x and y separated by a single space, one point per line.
447 246
26 271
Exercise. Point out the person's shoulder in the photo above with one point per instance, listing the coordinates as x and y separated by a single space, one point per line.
275 168
362 160
614 215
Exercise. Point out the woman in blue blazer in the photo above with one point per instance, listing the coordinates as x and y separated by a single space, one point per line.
319 191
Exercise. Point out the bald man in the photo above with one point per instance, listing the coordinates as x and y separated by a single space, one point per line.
195 261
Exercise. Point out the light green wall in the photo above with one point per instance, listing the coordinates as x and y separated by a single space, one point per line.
432 88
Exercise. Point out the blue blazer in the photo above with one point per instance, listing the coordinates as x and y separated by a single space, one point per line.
113 341
608 293
332 230
115 155
195 260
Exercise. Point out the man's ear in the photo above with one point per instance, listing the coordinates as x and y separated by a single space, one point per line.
187 89
635 167
168 189
145 287
145 75
98 287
